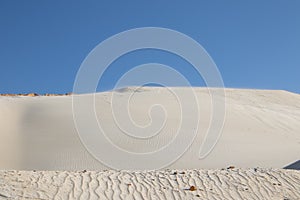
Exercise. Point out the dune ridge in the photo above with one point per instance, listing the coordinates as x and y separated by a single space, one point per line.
34 94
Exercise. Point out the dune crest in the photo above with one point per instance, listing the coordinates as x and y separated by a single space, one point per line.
35 94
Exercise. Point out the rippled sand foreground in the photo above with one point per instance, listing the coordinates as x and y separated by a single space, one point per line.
167 184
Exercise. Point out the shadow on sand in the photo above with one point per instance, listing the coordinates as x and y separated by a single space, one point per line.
295 165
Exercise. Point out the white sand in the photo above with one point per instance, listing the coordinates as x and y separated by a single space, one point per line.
168 184
261 130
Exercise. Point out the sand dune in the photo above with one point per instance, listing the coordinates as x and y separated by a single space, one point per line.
261 129
167 184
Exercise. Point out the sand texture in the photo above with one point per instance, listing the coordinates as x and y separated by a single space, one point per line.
167 184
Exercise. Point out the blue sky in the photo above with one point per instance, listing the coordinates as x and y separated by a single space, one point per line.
255 44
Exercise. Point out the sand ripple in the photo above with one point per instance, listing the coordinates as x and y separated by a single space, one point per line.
166 184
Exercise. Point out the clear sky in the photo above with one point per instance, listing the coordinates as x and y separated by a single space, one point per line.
255 44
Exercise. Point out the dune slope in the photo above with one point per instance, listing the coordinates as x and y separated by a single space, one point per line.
261 129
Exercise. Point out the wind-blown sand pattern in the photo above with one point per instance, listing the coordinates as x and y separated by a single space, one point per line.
168 184
261 130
